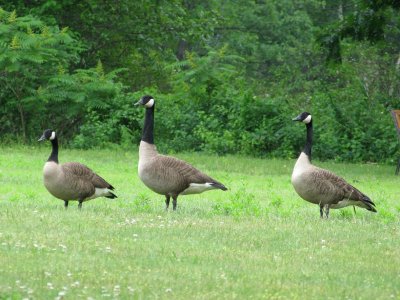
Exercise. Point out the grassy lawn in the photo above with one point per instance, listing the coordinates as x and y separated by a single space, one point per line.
257 240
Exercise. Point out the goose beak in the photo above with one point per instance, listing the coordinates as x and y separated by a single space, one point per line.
298 118
140 102
42 138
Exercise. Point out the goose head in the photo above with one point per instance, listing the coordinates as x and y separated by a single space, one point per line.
147 101
48 134
304 117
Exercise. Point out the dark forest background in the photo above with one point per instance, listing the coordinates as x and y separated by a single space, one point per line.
227 76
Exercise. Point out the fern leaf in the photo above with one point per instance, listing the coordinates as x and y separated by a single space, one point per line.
13 17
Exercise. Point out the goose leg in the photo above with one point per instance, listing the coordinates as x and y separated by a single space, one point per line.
174 202
65 204
167 198
80 204
327 210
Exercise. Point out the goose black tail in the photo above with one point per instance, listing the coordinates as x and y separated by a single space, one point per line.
369 205
219 186
111 195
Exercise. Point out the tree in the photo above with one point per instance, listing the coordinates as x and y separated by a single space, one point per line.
30 54
372 21
138 35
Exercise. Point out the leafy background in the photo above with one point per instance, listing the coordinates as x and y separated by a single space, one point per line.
227 76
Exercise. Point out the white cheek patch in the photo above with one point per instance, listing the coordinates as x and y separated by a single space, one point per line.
150 103
53 135
307 120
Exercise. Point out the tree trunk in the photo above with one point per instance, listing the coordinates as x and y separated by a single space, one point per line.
182 46
397 68
340 11
20 108
22 118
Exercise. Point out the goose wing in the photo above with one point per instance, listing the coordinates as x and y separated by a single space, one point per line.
183 173
82 178
337 189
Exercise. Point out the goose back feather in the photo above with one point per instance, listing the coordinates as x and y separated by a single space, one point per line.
167 175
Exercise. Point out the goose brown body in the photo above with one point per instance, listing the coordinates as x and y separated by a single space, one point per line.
72 180
320 186
167 175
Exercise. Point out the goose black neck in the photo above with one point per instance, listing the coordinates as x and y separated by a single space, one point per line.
54 151
308 145
147 134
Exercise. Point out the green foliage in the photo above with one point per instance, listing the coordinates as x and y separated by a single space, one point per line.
227 76
240 203
373 21
30 54
142 203
42 93
86 97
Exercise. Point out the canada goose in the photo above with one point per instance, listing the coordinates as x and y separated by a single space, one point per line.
167 175
321 186
72 180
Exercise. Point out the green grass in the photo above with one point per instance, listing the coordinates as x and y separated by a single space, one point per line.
257 240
